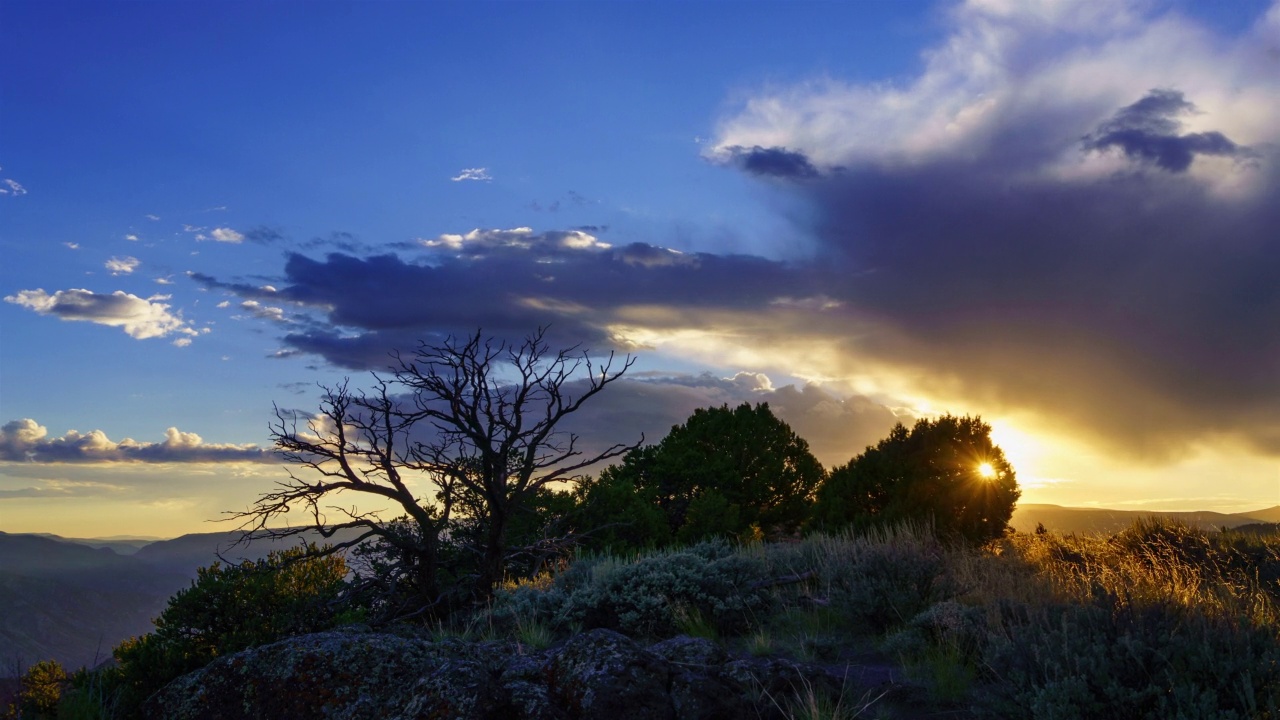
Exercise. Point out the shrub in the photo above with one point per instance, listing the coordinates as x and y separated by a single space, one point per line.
1114 660
653 595
227 609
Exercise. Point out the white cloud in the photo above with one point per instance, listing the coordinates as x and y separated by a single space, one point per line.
522 238
227 235
140 318
152 217
9 186
122 266
264 312
1063 67
72 245
131 237
224 303
26 440
164 281
472 174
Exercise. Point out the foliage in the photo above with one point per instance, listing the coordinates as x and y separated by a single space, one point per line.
725 472
613 516
41 689
229 608
477 418
707 587
931 472
1114 659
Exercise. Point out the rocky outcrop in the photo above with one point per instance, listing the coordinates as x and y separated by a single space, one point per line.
598 675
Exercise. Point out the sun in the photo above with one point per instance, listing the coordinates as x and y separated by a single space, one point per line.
986 471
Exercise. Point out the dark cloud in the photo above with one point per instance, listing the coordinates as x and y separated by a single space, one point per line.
27 441
264 235
509 282
1139 309
1148 130
772 162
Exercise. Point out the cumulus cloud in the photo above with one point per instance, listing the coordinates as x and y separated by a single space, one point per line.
481 174
140 318
227 235
122 266
25 440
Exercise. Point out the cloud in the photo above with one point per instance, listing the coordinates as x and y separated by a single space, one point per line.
131 237
261 234
1070 212
27 441
836 427
11 187
151 217
72 245
1147 130
122 266
472 174
508 282
61 488
263 312
227 235
140 318
1013 231
774 161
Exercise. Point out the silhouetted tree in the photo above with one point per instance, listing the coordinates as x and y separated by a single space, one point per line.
947 471
726 471
475 422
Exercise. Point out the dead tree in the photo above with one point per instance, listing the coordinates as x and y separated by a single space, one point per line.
475 418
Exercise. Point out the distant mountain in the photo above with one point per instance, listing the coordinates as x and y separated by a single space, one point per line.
121 544
72 603
185 554
1269 515
66 600
1095 520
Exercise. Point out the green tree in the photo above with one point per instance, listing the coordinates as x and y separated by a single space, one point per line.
613 514
229 608
947 471
41 689
726 471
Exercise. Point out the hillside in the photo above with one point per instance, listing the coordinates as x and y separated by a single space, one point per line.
71 602
63 599
1097 520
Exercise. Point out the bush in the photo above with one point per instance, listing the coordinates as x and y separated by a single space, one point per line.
652 596
227 609
1076 662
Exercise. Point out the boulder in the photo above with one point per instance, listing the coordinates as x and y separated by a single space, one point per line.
357 676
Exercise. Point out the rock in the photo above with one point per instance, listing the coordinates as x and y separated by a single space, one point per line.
690 651
597 675
364 676
604 675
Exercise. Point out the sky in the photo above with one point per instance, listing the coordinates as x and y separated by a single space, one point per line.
1060 216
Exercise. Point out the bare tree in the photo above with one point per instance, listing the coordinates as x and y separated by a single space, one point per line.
476 417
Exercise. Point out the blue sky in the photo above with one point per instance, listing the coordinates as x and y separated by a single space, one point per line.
1053 215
